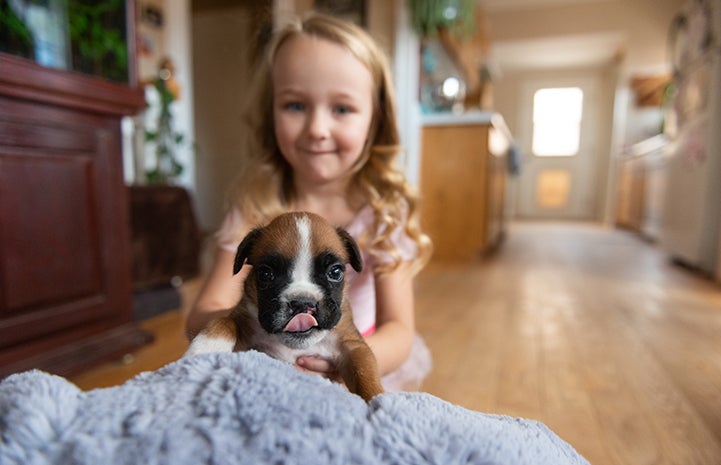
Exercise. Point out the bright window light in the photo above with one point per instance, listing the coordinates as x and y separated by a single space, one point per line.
557 121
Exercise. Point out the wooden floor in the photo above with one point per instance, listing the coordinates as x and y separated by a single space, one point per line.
589 330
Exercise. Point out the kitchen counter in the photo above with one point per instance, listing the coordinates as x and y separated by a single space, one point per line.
463 178
456 119
500 136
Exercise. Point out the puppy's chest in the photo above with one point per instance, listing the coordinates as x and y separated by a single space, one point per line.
327 347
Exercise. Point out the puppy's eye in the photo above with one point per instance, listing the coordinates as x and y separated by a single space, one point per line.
265 274
335 273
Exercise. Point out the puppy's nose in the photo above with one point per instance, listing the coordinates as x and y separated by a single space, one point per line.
303 306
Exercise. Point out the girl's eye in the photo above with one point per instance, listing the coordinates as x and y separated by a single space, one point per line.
343 109
294 106
335 273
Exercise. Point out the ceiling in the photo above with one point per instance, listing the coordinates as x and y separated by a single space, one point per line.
498 5
558 52
552 50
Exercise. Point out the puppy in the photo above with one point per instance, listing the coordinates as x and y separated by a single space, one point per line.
294 301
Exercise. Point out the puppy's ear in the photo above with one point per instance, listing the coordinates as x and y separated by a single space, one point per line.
354 255
246 245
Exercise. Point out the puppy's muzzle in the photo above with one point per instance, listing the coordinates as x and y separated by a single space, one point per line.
303 313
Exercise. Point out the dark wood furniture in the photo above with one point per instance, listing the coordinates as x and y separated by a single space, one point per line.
65 258
165 236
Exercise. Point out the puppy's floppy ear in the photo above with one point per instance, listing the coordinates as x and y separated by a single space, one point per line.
354 255
246 245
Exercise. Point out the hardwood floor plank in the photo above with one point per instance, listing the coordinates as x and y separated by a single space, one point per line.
593 310
683 335
620 405
169 344
519 384
567 406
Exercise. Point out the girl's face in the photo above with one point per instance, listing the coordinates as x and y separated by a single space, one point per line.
322 108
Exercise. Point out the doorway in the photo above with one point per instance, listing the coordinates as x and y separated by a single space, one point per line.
558 133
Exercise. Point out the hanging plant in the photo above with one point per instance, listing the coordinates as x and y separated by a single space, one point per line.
430 16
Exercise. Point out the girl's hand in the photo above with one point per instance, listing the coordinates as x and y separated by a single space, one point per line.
318 366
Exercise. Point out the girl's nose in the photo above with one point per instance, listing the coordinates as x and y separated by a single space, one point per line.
319 125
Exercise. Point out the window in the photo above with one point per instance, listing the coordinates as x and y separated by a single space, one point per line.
557 121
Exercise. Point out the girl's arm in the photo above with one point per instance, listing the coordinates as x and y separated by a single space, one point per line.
395 321
220 293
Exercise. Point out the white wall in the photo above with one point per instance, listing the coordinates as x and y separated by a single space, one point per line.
172 40
178 41
406 64
222 62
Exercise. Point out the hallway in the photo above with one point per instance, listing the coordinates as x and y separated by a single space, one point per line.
590 330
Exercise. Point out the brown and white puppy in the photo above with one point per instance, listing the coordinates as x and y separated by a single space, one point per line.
294 301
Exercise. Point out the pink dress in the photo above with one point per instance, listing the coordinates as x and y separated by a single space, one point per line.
361 293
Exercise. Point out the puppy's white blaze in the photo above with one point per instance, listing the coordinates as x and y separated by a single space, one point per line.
203 344
301 276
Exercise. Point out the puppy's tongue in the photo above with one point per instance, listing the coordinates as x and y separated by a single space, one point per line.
301 322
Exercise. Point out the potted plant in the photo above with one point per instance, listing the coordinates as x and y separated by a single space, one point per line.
160 136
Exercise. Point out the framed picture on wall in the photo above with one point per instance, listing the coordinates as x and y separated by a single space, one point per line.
150 24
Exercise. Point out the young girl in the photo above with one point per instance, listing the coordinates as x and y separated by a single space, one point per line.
325 140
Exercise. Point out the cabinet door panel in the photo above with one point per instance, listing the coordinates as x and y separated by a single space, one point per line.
47 257
61 234
453 188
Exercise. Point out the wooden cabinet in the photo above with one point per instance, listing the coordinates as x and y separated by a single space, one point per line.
630 198
165 237
640 187
463 190
65 272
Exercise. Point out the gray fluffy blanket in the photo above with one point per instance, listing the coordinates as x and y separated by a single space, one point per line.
246 408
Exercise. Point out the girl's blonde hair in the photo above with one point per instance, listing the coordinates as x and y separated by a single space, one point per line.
265 185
